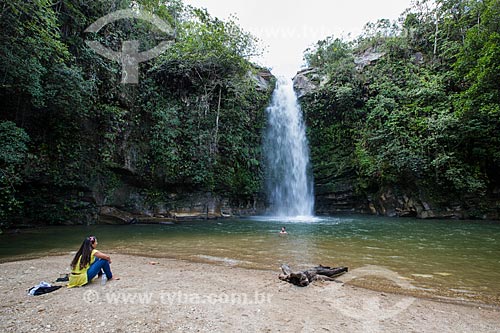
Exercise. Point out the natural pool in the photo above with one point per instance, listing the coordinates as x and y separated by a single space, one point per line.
458 259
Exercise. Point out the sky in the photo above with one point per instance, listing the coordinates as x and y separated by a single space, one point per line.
286 28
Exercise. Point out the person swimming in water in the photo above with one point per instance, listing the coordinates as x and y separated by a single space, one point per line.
283 231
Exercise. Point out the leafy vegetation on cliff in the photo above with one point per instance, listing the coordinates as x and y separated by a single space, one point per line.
72 134
412 105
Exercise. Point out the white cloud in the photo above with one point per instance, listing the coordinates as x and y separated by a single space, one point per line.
287 27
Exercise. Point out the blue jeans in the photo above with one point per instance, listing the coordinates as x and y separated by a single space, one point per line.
96 267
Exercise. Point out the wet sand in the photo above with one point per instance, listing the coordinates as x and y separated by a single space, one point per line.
166 295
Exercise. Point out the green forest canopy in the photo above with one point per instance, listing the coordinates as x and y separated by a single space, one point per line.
425 116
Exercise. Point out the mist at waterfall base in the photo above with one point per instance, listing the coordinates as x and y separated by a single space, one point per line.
289 184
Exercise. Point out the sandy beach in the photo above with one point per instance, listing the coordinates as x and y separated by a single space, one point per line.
164 295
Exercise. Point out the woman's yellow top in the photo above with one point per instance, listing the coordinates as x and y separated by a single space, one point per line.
78 276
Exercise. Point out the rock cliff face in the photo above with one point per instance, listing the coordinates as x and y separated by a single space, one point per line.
339 196
306 81
136 208
396 202
133 199
366 58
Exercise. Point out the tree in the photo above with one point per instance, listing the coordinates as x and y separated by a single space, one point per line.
13 152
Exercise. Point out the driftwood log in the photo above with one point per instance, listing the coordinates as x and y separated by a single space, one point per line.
304 278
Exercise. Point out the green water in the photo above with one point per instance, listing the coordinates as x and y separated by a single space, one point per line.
458 259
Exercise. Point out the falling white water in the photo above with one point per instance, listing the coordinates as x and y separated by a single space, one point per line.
288 178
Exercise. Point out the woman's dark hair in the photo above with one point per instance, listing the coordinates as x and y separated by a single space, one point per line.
84 253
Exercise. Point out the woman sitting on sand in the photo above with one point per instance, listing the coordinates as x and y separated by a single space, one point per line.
87 263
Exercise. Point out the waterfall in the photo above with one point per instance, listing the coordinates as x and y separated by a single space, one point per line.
289 182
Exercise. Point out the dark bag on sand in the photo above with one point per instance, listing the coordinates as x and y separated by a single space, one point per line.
44 290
